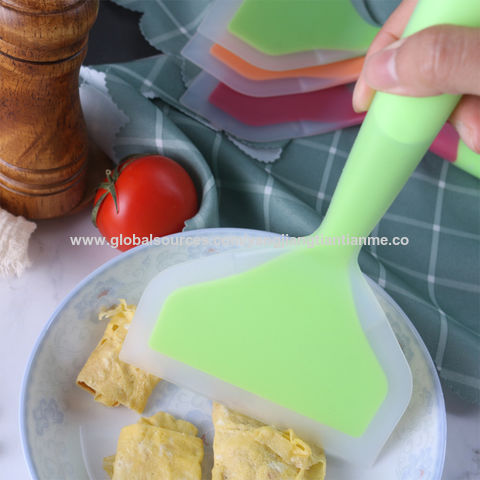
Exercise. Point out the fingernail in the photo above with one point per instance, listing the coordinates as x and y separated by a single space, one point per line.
381 68
357 99
468 136
362 97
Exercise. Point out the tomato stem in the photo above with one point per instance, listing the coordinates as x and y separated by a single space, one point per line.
109 185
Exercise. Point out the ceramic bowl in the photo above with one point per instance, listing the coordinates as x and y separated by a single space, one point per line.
66 434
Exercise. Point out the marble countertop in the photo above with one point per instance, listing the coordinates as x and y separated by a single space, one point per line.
26 304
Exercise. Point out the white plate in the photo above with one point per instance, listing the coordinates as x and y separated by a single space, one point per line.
66 434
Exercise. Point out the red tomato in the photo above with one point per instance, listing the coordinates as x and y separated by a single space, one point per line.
155 196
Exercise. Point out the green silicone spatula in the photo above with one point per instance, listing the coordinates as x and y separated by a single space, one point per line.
279 27
296 337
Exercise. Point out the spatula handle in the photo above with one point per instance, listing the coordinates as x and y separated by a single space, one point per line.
395 135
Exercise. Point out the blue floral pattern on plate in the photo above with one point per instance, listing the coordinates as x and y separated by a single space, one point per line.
46 413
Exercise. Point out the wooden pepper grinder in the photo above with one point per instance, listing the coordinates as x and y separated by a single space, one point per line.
43 138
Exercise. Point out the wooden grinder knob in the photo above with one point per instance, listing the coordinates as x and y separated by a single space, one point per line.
43 137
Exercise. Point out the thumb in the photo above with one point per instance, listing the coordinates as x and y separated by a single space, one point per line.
441 59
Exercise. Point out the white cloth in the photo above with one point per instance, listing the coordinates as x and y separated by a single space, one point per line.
15 234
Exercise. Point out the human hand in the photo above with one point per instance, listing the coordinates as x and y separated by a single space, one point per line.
440 59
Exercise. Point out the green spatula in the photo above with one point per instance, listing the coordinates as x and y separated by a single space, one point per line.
279 27
296 338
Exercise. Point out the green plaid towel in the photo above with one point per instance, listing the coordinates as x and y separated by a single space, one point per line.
435 278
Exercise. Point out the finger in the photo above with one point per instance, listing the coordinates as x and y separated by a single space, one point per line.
466 119
363 93
390 32
440 59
